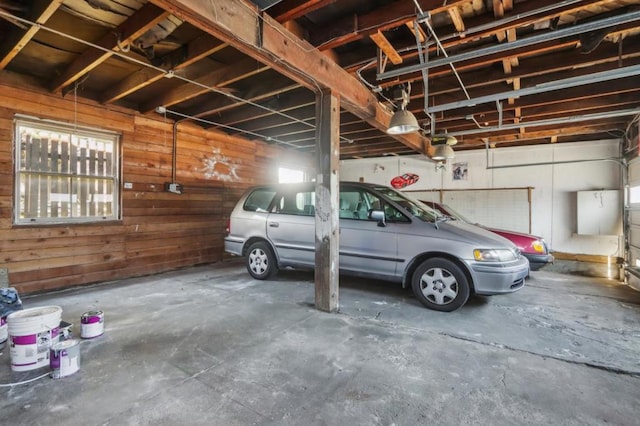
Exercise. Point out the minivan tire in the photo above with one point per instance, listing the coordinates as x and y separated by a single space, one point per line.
261 262
440 284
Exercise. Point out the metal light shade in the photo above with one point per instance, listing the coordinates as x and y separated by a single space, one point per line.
443 153
443 139
403 122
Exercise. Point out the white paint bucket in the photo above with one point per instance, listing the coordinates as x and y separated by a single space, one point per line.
32 332
65 358
4 332
91 324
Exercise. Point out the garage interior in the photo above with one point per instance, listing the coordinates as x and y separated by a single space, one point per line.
194 101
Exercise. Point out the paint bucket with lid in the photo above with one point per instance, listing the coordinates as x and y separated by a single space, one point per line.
4 332
91 324
32 332
64 358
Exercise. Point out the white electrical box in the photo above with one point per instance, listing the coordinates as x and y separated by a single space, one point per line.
599 212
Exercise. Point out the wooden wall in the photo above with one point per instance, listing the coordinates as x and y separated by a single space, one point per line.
159 231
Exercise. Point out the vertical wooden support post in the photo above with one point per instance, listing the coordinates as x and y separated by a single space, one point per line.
327 200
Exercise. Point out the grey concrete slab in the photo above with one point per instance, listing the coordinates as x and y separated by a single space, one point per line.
209 345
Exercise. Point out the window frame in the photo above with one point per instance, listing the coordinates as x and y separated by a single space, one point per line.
74 178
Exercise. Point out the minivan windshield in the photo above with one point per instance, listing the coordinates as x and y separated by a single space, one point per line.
414 207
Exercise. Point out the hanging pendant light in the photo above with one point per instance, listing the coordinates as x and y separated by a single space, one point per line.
443 152
442 147
403 121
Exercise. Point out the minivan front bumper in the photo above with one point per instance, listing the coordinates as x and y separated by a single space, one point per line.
491 279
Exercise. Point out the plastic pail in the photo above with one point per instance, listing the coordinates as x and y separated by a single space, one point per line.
32 332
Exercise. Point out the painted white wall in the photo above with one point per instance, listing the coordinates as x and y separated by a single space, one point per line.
554 197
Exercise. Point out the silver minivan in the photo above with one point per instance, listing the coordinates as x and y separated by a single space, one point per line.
384 234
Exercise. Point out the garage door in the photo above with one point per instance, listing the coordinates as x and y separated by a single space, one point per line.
634 223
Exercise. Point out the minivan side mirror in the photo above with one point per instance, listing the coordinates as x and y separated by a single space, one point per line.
379 216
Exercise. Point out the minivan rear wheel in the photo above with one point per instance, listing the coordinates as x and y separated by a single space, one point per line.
261 262
440 284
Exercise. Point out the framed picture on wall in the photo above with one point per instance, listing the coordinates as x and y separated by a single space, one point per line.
460 171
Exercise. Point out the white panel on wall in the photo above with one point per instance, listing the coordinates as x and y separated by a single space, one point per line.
599 212
496 208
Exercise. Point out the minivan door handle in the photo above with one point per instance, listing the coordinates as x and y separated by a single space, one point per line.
274 224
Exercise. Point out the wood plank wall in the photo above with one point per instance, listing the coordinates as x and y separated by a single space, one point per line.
159 231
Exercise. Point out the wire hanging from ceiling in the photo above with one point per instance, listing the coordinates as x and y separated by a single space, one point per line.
226 126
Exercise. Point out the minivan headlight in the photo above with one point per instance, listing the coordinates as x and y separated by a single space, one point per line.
494 255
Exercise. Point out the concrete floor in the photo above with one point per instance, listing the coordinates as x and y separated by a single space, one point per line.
210 346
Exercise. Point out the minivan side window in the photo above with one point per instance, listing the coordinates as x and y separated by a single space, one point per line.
259 200
298 203
356 203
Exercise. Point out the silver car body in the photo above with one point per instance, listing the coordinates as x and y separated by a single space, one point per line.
283 216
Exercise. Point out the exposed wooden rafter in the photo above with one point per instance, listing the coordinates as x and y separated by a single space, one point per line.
139 23
386 47
42 11
198 49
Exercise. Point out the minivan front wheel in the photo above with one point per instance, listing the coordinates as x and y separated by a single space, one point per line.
440 284
261 262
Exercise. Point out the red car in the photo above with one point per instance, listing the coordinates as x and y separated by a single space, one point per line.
406 179
533 248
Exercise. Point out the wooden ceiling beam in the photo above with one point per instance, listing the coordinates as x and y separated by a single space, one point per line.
218 79
285 102
392 15
273 86
522 134
532 50
135 81
486 61
272 121
298 132
288 10
456 19
540 68
371 149
17 40
235 22
614 100
386 47
422 36
344 31
135 26
560 101
567 130
595 106
292 132
498 9
195 50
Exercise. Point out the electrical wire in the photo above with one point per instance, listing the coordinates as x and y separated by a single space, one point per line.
236 129
24 382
